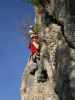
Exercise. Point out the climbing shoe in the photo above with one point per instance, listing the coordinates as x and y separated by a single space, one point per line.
33 72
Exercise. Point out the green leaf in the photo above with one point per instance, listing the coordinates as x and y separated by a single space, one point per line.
37 28
36 2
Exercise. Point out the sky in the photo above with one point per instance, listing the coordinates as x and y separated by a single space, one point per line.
13 48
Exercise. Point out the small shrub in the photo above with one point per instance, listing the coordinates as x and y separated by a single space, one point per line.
37 28
36 2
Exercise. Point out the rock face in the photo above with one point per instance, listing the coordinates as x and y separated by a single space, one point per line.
60 61
68 63
43 90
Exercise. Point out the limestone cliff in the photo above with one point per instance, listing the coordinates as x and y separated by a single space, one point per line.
60 61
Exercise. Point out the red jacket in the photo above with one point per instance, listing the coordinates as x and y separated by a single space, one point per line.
34 47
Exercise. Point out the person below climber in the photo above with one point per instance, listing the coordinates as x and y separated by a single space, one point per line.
34 47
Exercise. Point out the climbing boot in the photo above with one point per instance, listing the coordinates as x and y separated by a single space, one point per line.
33 72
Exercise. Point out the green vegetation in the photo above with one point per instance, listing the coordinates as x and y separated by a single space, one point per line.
37 28
36 2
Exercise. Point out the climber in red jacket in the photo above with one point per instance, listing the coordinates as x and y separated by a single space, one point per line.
35 49
34 46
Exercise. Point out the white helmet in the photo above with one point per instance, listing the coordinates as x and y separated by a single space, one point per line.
30 31
33 35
